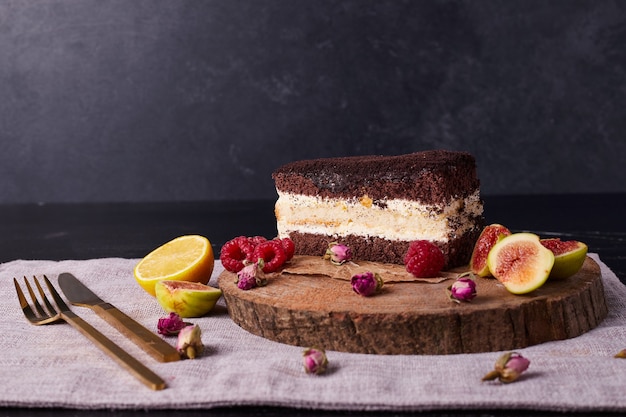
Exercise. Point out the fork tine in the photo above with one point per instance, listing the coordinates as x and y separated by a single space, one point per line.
33 297
55 295
26 308
49 306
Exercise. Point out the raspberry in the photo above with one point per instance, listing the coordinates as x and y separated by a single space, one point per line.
255 240
234 252
288 246
247 247
272 253
424 259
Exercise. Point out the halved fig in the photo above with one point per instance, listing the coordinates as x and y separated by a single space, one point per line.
520 262
569 256
187 299
488 238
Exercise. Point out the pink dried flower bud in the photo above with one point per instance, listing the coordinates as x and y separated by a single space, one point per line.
189 343
251 276
171 325
366 284
315 361
508 368
463 289
337 253
517 363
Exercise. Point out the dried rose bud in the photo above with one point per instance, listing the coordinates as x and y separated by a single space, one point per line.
171 325
366 284
463 289
251 276
621 354
508 368
189 343
315 361
337 253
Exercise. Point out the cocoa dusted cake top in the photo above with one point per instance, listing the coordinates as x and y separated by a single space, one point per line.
430 176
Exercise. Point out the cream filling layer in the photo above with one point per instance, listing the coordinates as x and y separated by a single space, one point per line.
394 219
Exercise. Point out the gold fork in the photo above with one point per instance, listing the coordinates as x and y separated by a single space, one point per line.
40 316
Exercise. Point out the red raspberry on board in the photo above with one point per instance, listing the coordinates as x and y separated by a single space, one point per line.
424 259
234 252
272 253
247 246
255 240
288 246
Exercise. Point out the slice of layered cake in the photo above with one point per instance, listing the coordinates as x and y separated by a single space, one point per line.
378 205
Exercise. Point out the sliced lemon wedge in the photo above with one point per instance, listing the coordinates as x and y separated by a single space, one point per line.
186 258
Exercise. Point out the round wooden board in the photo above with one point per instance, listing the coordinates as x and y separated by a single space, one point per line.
415 317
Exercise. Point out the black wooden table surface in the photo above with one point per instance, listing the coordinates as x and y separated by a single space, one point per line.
131 230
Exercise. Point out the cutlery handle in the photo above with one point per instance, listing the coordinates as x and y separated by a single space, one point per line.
136 368
149 341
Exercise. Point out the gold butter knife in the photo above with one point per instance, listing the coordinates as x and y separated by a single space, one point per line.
78 294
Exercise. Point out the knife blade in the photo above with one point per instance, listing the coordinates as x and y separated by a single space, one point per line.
79 295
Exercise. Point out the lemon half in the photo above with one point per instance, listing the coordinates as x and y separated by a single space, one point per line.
186 258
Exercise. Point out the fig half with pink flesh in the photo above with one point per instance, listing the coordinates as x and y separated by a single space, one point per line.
569 256
488 238
187 299
520 262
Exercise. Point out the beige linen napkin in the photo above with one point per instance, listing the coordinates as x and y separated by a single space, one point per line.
56 366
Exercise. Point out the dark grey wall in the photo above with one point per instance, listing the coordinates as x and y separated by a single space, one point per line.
192 100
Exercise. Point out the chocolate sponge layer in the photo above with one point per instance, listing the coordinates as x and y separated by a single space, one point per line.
457 252
430 177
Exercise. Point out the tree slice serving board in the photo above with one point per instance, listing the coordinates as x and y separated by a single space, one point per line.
415 317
